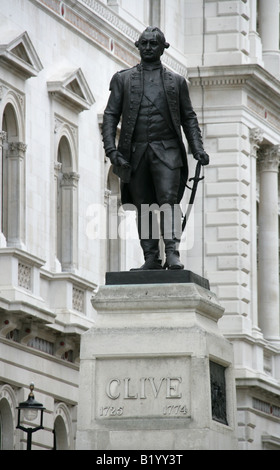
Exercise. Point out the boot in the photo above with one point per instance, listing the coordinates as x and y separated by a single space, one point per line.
151 255
148 231
171 231
172 255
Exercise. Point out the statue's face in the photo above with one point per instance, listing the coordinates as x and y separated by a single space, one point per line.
150 47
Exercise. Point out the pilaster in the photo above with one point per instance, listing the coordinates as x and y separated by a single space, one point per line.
227 222
256 137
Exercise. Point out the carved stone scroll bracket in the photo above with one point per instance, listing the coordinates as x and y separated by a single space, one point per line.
256 137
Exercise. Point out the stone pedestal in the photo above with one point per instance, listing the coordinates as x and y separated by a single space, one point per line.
156 373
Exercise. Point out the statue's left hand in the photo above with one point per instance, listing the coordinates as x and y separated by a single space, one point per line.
203 157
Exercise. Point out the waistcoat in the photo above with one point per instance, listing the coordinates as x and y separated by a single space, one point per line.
154 120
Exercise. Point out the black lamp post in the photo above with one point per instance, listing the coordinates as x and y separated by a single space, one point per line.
30 409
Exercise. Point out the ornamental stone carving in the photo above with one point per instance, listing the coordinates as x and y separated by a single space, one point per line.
256 137
70 179
16 150
269 157
3 137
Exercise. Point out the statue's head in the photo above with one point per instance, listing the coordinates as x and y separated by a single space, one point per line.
151 44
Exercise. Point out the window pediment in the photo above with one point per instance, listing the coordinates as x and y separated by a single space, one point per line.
72 88
18 52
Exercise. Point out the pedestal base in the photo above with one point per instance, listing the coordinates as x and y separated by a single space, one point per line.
165 276
155 371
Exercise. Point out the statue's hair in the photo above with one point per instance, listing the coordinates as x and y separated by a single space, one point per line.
159 34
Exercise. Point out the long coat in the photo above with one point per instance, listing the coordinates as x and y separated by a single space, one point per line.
124 102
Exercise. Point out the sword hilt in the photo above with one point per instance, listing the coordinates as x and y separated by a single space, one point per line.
195 180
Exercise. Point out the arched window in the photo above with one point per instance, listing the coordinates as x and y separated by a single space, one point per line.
6 426
60 434
67 207
63 431
10 128
7 418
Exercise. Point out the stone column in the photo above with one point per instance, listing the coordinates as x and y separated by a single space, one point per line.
69 221
3 137
14 195
268 280
256 137
54 229
269 32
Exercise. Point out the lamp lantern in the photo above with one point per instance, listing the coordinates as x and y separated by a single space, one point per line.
30 409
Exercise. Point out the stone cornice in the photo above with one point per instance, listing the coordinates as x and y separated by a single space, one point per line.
71 87
254 77
101 25
66 276
18 53
260 383
262 88
23 256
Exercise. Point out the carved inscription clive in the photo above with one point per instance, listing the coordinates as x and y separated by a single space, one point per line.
143 387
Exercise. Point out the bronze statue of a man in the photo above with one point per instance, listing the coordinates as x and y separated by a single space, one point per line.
151 159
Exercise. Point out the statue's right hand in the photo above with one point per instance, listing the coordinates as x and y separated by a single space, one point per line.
114 158
118 160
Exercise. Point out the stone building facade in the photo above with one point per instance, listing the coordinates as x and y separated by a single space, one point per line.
62 226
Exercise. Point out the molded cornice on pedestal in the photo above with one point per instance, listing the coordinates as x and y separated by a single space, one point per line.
156 299
18 52
71 87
